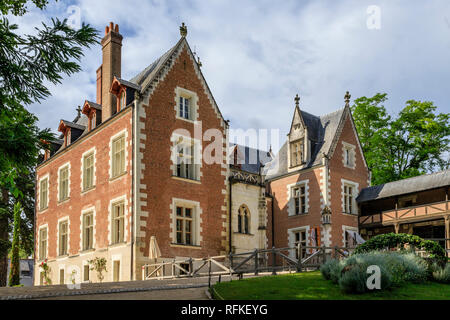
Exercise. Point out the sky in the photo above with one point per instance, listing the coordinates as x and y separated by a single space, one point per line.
257 55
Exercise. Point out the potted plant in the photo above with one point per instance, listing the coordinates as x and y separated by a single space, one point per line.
46 272
99 266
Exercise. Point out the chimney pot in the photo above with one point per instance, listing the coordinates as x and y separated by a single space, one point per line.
111 66
106 30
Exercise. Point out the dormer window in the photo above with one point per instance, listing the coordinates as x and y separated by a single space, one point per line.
297 153
67 137
46 154
92 110
122 100
92 121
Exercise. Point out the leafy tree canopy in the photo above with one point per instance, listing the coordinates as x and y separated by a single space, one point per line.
27 62
413 143
19 7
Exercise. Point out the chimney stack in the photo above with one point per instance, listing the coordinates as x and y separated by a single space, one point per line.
111 66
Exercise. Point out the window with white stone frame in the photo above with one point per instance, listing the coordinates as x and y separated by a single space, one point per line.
348 240
88 231
186 104
63 232
299 194
43 193
43 241
349 155
88 170
64 183
349 194
118 156
118 222
300 239
185 222
298 236
186 158
297 153
298 198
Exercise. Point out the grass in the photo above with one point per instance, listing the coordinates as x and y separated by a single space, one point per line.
312 286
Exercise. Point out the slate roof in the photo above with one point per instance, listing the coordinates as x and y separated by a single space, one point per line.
321 132
94 105
146 75
73 125
406 186
129 84
251 160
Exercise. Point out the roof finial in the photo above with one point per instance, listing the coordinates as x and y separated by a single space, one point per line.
183 30
199 62
347 99
79 111
297 101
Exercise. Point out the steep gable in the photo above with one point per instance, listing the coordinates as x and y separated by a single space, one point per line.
151 76
346 116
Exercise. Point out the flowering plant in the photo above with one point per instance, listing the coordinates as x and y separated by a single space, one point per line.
46 272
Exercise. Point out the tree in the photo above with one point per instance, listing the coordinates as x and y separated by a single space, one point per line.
415 142
14 273
26 62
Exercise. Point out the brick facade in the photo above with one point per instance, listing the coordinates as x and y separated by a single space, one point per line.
323 188
145 109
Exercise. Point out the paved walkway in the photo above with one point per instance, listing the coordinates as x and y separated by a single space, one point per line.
175 289
177 294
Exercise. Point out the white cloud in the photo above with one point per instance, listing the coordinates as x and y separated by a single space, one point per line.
257 55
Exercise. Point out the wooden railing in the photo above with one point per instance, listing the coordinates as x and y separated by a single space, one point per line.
406 213
299 259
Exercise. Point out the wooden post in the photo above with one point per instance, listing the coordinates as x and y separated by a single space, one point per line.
191 267
209 274
447 234
397 228
299 260
256 262
274 261
173 268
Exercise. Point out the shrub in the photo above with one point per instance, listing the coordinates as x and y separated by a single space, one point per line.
442 274
326 268
355 279
396 268
392 241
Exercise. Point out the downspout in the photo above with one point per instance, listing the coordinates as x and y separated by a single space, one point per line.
133 185
35 225
273 220
230 214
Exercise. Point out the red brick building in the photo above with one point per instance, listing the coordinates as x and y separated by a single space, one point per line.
142 175
130 168
320 169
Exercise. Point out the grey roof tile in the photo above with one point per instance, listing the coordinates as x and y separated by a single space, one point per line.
321 131
405 186
250 159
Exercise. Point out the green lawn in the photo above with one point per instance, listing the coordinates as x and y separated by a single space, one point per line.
312 286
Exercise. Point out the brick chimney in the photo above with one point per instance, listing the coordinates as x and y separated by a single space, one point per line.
111 66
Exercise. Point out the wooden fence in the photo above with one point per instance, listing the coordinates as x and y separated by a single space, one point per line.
273 260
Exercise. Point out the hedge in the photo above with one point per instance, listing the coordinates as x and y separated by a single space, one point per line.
393 240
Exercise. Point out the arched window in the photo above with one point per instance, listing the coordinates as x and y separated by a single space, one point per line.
244 220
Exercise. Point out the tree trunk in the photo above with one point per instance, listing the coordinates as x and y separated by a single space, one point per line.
3 255
4 237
